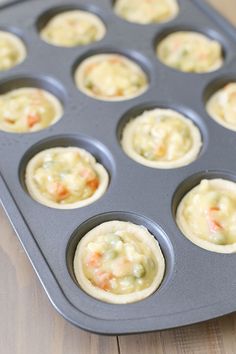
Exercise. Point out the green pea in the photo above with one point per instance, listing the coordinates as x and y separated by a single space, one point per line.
113 239
138 270
89 85
111 254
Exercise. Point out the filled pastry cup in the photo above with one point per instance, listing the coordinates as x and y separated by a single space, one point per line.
222 106
119 262
12 50
191 52
111 77
161 138
207 215
73 28
146 11
28 109
65 178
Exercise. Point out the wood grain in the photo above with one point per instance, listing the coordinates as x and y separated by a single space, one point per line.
30 325
226 8
28 322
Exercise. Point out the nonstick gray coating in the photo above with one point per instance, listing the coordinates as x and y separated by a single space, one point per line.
198 284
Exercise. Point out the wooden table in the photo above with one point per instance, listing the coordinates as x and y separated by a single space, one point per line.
30 325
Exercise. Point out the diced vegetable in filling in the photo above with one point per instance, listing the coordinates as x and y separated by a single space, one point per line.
210 213
65 177
73 28
12 51
146 11
113 76
119 263
161 138
190 52
29 109
222 105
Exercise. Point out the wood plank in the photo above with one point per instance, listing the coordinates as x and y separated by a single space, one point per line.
226 8
212 337
28 322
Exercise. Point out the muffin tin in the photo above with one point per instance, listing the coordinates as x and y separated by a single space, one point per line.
198 285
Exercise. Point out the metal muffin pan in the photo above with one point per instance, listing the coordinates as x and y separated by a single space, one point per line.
198 284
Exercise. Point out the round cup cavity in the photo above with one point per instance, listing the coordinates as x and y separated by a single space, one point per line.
186 187
46 83
192 181
113 3
137 57
217 84
18 33
153 228
47 15
148 106
42 82
208 32
97 149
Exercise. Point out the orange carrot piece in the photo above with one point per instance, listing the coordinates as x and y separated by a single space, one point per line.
214 209
33 119
103 280
62 191
90 67
115 60
93 184
214 225
59 191
94 260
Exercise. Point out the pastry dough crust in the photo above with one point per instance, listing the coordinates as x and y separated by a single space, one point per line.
141 234
37 162
73 28
222 106
213 219
145 11
16 109
164 161
113 77
190 52
12 50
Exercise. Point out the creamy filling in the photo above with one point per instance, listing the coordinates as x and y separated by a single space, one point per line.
113 76
73 28
161 138
222 104
119 263
10 53
210 213
25 110
190 52
65 177
146 11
